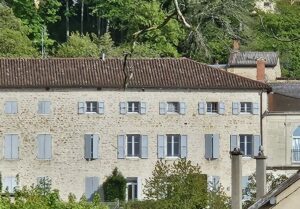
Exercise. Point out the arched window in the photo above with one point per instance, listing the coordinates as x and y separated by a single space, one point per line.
296 145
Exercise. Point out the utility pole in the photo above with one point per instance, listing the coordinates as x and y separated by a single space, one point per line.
236 179
43 41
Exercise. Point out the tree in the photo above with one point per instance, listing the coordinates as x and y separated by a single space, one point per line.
13 36
114 186
272 183
182 185
78 46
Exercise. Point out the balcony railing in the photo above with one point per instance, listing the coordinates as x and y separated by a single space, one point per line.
296 155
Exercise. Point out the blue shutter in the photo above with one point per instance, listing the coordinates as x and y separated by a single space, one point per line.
87 146
14 107
81 107
182 108
7 108
216 146
9 184
256 144
183 146
47 107
144 146
160 146
221 108
208 146
121 146
233 142
255 108
15 146
235 108
40 107
100 107
162 108
48 146
95 150
143 108
202 108
8 146
40 146
123 108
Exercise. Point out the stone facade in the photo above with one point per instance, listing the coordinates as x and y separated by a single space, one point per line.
68 168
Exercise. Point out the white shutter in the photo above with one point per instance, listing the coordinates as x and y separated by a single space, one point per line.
143 108
139 188
81 107
123 108
235 108
100 107
221 108
255 108
202 108
162 108
182 108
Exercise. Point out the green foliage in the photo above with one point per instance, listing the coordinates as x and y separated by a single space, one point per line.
180 185
78 46
13 36
273 181
114 186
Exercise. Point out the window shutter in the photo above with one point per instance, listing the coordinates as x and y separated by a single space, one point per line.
14 107
9 184
15 146
41 145
216 146
7 107
221 108
183 146
95 150
48 146
160 146
100 107
233 142
143 108
139 188
81 107
7 147
87 146
162 108
256 144
91 187
47 107
235 108
144 146
182 108
255 108
208 146
123 108
202 108
121 146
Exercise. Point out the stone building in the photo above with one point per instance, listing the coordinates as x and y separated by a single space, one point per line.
72 121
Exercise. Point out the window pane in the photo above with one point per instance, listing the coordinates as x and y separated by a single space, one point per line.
209 107
137 146
169 146
135 191
129 191
242 144
133 106
129 145
91 106
249 146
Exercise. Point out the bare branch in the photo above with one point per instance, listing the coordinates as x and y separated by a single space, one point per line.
186 24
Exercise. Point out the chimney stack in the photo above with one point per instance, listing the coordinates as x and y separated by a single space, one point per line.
236 179
261 69
260 174
236 45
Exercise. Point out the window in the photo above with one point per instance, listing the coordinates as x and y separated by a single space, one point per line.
11 147
246 107
44 143
212 146
173 145
212 107
213 183
44 107
91 144
44 183
173 107
246 145
133 145
9 184
296 146
11 107
91 107
132 189
91 187
133 107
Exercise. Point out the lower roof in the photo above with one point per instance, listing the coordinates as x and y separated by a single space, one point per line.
180 73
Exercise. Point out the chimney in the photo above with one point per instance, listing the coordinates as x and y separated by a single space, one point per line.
261 188
260 69
236 179
236 45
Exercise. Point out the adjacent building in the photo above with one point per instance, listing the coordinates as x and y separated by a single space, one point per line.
74 120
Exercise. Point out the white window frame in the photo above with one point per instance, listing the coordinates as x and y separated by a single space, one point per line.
173 145
176 106
134 186
248 137
246 107
91 103
133 107
132 145
293 149
209 107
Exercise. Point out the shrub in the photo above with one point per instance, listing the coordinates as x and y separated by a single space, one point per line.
115 186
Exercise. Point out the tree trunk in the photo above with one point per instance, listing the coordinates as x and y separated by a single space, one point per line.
107 26
81 21
67 20
99 26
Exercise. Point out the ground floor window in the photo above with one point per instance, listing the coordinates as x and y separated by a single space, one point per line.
132 189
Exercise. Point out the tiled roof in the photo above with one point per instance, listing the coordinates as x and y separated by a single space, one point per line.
96 73
248 59
289 88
